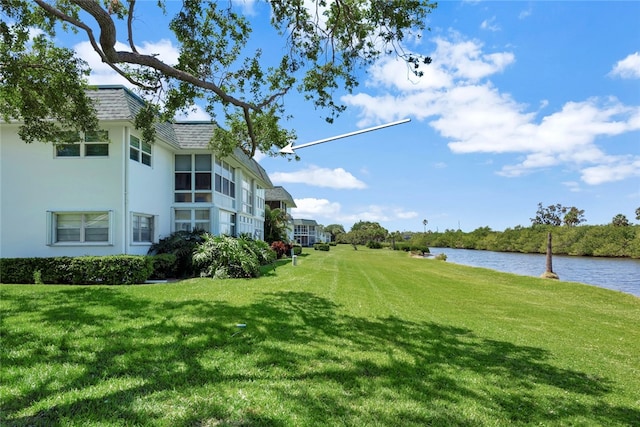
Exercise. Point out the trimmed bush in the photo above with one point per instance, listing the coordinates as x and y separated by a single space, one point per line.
181 244
297 249
106 270
372 244
164 266
321 247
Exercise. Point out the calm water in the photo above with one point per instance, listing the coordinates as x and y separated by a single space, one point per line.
612 273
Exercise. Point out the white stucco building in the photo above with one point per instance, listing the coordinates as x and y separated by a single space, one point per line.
308 232
113 193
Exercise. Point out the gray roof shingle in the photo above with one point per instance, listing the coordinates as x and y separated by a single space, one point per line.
278 193
119 103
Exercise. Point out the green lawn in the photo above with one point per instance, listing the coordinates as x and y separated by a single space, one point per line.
357 338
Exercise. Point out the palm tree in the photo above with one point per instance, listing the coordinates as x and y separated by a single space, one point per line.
275 225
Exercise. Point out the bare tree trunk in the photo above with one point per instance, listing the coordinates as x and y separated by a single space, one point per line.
549 274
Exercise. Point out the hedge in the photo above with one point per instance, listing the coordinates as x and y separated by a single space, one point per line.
104 270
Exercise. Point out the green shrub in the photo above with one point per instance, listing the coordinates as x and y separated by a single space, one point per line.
280 248
110 270
224 257
372 244
260 249
164 266
297 249
25 270
441 257
403 246
181 244
107 270
321 247
333 243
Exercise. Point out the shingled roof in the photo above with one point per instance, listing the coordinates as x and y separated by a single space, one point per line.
279 194
120 103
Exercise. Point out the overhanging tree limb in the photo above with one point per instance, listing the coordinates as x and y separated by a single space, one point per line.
327 44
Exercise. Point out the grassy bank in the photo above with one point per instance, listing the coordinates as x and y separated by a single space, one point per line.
367 337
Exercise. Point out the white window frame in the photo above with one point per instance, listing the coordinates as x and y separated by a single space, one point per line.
152 222
140 150
247 197
193 221
194 194
82 144
52 228
227 227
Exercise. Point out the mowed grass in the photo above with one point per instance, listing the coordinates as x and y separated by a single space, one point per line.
353 338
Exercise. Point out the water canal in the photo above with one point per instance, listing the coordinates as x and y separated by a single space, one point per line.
621 274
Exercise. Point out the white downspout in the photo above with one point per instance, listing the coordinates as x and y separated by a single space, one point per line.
125 191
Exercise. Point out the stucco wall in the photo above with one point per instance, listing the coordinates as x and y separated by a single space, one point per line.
33 182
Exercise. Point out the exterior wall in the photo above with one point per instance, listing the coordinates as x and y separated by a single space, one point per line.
33 182
149 191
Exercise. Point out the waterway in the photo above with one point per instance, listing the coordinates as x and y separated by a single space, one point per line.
621 274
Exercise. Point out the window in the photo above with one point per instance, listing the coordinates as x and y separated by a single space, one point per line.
227 223
192 219
80 227
193 178
225 179
247 197
139 151
259 201
142 228
90 144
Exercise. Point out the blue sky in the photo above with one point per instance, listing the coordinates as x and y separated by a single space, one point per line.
524 103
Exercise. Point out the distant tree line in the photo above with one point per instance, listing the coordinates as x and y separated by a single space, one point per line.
586 240
619 238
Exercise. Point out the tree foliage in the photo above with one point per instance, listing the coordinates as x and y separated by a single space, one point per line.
275 225
363 231
585 240
557 215
324 45
620 221
334 230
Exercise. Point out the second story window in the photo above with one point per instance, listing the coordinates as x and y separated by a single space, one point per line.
193 178
139 151
89 144
225 179
247 197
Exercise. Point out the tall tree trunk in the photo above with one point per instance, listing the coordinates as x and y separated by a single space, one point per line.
549 274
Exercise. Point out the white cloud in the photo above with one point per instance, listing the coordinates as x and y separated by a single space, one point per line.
102 74
573 186
337 178
467 109
377 213
315 208
248 7
627 68
327 212
490 24
525 13
615 168
195 113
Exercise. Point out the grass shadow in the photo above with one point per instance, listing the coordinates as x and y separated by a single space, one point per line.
136 361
